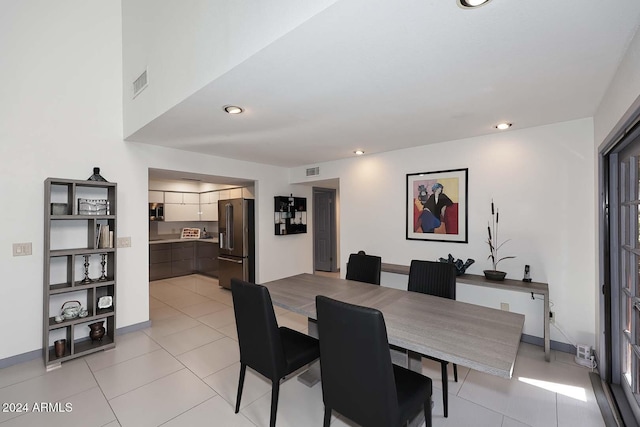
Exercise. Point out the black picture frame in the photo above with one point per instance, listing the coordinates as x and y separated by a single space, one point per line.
446 220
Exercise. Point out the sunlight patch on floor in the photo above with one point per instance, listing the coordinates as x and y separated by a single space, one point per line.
573 392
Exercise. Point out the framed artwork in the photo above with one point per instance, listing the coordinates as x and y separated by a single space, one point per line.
437 206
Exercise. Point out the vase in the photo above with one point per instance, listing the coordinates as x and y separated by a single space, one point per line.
494 274
97 331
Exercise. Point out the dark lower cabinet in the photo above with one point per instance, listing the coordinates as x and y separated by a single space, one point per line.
159 261
207 258
182 258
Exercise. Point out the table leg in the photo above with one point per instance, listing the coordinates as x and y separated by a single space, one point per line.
311 376
547 343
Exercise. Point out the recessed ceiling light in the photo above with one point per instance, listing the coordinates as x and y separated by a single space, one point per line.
232 109
358 152
469 4
503 126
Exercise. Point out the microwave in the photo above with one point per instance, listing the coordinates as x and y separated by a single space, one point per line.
156 211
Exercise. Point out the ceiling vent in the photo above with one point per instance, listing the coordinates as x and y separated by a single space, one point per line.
140 83
313 171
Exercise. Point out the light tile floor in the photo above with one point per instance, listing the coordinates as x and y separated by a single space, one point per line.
183 371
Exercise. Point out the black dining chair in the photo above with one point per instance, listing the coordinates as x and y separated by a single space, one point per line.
358 379
268 349
438 279
364 268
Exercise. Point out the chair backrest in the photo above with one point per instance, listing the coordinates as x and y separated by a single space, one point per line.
355 363
364 268
433 278
258 333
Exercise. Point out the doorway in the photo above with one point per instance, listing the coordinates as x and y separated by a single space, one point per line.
324 230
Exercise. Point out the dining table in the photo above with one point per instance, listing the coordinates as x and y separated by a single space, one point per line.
477 337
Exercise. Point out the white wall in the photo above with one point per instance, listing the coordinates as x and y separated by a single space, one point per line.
189 44
542 181
61 115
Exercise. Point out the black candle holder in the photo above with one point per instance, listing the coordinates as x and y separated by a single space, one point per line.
103 263
86 270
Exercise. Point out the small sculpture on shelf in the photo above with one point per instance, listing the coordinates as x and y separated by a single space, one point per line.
461 266
96 176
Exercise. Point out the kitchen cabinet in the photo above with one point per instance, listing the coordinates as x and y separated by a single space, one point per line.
79 275
207 258
181 206
156 196
172 259
159 261
181 198
183 258
174 212
209 206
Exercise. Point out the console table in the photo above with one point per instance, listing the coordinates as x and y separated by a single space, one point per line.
507 284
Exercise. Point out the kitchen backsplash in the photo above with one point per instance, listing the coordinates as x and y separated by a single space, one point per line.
159 229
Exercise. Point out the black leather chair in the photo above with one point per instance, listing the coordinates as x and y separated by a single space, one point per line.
438 279
358 379
272 351
364 268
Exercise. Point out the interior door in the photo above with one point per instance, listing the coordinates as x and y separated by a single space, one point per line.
324 235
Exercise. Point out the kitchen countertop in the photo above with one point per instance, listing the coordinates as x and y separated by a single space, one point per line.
178 240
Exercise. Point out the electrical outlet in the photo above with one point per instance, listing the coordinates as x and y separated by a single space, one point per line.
22 249
504 306
124 242
552 317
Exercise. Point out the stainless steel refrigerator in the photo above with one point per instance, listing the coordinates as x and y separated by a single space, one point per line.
236 227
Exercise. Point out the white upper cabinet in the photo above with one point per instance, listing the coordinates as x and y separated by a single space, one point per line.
156 196
181 198
181 212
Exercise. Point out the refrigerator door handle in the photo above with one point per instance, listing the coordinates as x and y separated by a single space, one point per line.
237 261
229 224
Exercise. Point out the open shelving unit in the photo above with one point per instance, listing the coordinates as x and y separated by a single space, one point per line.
290 215
79 265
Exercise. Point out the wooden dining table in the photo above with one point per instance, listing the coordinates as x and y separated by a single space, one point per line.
480 338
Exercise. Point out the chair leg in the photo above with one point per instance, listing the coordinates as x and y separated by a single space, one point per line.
327 416
455 372
445 388
275 390
243 370
427 412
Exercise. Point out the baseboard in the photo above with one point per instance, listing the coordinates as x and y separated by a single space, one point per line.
555 345
35 354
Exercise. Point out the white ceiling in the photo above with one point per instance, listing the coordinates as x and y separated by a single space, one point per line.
384 75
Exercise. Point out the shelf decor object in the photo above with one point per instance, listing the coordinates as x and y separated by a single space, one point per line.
80 221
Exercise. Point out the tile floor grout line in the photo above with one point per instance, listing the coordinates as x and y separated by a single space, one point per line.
103 395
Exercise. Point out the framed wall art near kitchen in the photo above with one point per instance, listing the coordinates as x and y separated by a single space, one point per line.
437 207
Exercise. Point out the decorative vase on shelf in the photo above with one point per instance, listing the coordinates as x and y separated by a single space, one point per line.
97 331
494 274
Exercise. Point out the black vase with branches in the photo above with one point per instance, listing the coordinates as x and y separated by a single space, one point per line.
494 246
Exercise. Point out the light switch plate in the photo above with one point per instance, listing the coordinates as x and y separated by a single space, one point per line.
124 242
22 249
